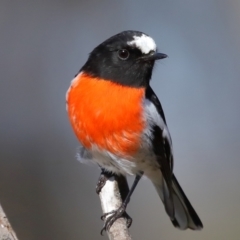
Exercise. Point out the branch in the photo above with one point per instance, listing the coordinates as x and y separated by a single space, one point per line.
6 231
111 197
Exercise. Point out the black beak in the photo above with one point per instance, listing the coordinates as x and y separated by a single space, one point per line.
154 56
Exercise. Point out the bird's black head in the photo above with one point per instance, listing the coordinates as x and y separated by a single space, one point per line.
126 58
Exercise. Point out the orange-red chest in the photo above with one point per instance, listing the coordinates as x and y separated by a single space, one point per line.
106 114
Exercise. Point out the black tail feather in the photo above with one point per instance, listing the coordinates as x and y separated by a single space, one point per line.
181 201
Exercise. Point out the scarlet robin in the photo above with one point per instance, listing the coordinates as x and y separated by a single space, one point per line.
120 123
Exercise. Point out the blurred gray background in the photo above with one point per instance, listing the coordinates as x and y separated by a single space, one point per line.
44 190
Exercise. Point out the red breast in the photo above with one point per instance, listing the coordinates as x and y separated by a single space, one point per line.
106 114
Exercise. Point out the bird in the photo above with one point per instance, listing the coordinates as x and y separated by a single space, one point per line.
120 123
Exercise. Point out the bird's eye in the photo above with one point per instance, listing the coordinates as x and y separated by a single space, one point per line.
123 54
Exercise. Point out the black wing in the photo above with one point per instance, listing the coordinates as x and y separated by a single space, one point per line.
175 201
162 144
163 150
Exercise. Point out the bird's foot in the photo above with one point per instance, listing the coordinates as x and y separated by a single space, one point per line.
101 182
104 176
115 214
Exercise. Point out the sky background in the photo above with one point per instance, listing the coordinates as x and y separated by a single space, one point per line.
46 193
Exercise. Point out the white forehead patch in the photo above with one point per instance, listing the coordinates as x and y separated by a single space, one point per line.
144 43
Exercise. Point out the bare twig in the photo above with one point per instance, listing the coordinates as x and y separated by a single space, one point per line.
6 231
111 197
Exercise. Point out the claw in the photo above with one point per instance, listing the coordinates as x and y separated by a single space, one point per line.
103 217
104 176
101 182
115 214
128 218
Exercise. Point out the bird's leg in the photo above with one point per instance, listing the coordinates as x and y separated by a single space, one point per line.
123 188
115 214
